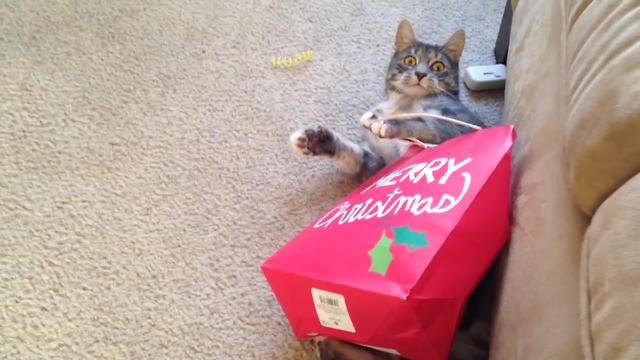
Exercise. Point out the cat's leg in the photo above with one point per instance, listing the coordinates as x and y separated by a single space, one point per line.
351 157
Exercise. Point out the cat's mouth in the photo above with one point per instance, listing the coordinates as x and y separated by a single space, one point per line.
415 91
413 87
423 83
424 86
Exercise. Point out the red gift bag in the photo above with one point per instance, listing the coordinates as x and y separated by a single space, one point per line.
393 263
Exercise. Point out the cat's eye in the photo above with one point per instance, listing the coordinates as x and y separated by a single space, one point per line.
410 60
437 66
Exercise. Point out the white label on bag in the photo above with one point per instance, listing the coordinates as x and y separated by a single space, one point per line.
332 310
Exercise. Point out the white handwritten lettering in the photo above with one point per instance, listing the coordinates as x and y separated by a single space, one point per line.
396 202
451 168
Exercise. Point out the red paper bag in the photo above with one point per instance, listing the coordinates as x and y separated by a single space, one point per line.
393 263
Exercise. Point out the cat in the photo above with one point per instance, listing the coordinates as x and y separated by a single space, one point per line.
421 78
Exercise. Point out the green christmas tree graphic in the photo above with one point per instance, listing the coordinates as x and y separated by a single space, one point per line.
380 254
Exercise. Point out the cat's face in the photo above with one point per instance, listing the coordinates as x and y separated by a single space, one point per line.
419 70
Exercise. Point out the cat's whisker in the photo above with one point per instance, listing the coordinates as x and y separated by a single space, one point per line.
440 88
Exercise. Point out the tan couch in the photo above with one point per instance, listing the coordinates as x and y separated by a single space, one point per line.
570 287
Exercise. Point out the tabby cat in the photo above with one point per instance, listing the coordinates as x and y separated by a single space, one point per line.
421 78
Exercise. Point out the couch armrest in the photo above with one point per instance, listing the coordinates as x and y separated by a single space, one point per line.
610 276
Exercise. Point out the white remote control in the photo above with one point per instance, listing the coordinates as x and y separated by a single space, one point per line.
486 77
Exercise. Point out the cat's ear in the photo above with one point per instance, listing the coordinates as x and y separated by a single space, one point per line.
455 45
405 37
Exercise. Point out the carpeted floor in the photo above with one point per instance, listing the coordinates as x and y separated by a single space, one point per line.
145 170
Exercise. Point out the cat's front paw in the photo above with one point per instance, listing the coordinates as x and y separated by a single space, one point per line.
319 141
368 118
381 128
388 129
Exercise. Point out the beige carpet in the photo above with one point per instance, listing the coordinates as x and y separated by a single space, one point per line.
145 171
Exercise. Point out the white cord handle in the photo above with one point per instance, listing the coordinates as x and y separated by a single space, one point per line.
434 116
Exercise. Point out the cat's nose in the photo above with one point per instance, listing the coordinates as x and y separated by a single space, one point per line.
420 75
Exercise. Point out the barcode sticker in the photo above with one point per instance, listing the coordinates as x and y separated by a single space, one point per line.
332 310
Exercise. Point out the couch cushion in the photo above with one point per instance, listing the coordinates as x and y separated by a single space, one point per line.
603 53
611 277
538 313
